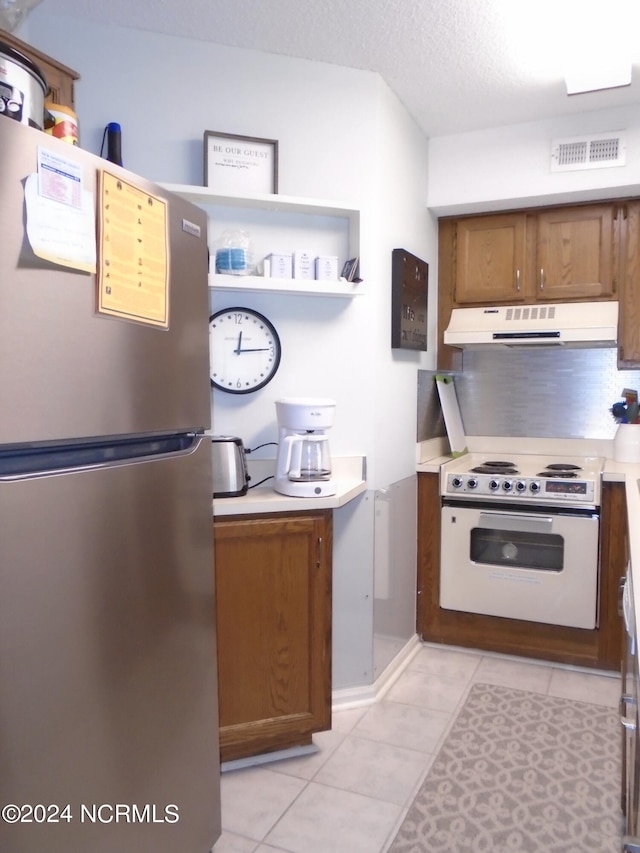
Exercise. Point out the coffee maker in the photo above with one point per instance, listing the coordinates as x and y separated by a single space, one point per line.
303 464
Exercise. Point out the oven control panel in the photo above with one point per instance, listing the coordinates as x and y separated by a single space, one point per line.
545 490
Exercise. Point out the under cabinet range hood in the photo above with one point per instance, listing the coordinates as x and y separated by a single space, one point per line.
570 324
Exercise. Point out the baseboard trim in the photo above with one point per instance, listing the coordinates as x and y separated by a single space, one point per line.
359 697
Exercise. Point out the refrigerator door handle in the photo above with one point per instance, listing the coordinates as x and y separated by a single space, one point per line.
47 461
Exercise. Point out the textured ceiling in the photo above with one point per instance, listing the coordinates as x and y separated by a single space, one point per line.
457 65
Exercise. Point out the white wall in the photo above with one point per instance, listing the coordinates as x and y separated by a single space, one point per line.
507 167
342 135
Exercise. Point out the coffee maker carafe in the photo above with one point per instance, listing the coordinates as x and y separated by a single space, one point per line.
303 464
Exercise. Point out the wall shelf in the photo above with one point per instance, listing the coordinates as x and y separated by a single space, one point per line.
291 286
281 223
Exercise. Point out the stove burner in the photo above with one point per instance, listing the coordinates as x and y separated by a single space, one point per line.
488 468
559 473
563 466
497 464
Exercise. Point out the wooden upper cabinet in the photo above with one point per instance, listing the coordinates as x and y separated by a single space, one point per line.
629 321
559 254
578 252
490 259
574 253
60 78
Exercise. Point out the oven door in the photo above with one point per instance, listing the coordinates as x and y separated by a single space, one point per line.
541 566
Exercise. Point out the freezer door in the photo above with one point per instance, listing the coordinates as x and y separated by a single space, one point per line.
108 690
67 371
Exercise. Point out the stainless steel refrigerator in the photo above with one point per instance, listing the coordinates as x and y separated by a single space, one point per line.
108 690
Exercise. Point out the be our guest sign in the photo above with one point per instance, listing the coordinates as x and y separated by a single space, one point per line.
409 282
240 164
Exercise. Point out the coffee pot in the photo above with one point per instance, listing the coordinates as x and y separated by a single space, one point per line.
303 464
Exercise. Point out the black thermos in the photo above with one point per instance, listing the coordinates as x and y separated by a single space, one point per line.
114 143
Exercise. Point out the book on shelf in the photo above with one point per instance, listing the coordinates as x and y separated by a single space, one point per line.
350 270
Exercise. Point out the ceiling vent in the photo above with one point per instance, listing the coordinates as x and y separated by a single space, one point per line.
588 152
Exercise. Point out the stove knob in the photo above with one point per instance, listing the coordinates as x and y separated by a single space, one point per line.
456 482
472 483
506 485
534 486
521 486
494 485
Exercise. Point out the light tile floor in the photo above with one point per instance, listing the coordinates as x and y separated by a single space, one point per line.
351 796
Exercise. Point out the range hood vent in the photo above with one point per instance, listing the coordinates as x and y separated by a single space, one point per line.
575 324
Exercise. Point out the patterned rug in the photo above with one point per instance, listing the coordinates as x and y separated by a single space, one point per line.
520 773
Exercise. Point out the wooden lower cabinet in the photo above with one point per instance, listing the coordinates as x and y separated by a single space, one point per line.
601 647
273 607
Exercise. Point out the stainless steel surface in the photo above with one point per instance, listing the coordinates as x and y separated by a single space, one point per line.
230 477
630 793
63 366
540 393
107 654
22 88
526 481
108 707
430 421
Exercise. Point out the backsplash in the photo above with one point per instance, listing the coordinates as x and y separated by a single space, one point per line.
524 393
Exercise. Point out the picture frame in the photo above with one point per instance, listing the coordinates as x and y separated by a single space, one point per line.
409 296
240 164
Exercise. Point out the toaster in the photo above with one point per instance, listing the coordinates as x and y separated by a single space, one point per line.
230 477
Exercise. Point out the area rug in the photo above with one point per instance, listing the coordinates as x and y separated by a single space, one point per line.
520 772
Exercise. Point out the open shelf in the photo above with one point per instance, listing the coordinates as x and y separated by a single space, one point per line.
277 220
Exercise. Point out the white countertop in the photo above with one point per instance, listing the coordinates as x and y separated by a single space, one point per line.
349 473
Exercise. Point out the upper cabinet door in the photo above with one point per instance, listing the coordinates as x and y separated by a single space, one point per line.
575 253
490 259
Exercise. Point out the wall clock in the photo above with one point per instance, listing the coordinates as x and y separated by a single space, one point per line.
244 350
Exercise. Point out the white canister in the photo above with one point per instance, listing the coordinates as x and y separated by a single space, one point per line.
626 443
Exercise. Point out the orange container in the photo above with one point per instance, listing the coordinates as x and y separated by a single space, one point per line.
61 121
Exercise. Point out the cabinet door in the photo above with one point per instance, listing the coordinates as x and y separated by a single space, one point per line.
575 253
273 604
629 320
490 259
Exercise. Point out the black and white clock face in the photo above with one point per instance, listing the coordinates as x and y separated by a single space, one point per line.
244 350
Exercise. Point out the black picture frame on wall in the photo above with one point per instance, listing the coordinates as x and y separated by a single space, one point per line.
240 165
409 295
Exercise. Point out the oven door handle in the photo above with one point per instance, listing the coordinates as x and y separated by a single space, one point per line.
516 521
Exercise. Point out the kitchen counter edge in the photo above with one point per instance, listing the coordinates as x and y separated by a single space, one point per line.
350 479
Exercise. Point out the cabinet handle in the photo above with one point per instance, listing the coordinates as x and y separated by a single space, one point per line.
629 723
541 279
518 280
320 551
